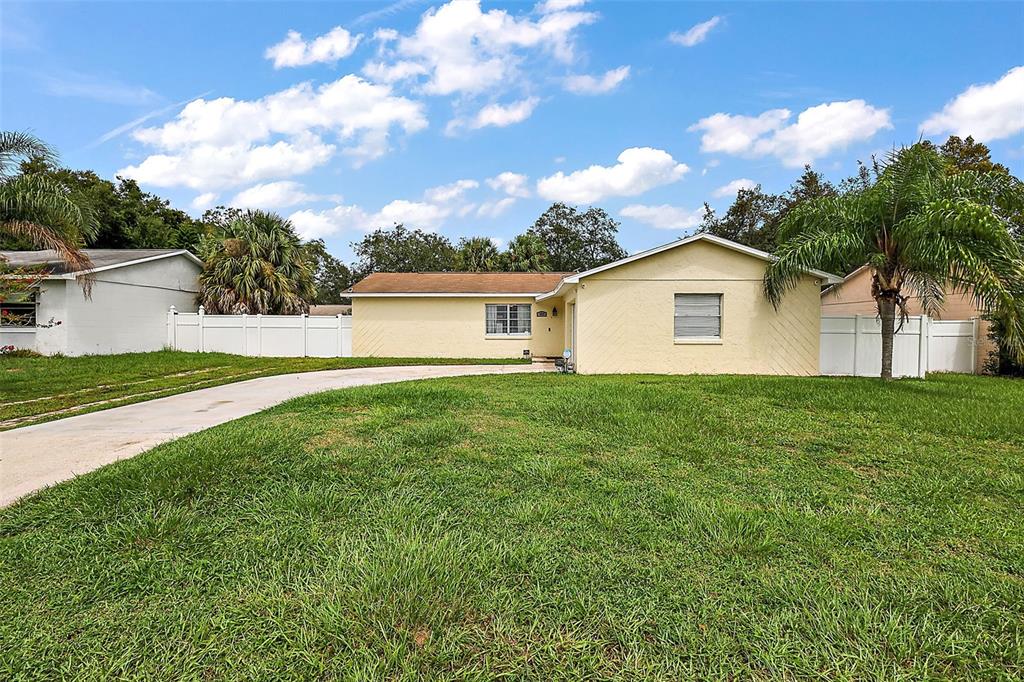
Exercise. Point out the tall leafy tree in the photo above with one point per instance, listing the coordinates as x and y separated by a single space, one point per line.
126 216
400 249
526 253
755 215
330 276
40 211
751 219
476 254
968 154
923 231
577 240
259 267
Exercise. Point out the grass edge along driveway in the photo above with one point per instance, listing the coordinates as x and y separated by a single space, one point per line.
544 527
35 390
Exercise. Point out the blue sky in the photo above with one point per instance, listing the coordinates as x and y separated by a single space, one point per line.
470 118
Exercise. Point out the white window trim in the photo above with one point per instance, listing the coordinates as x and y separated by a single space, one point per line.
701 340
510 335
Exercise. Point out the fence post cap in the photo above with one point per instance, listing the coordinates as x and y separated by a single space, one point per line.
173 310
202 310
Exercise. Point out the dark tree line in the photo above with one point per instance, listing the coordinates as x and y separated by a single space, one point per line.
562 239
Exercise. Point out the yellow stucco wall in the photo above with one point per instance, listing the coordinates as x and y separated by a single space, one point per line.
446 327
626 317
853 297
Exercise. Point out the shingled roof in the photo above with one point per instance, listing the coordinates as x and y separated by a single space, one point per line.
102 259
526 283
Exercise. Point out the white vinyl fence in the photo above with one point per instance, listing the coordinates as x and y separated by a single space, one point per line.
261 335
852 345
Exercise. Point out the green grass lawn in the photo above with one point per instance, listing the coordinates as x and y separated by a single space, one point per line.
33 390
545 527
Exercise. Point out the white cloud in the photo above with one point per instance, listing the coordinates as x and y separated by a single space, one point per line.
204 201
208 166
439 203
450 192
418 214
414 214
512 184
664 217
817 131
330 47
391 73
502 115
549 6
462 49
212 144
592 85
990 111
493 209
712 163
696 34
736 134
317 224
638 170
730 189
279 194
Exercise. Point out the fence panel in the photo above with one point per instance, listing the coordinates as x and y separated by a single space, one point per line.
852 345
261 335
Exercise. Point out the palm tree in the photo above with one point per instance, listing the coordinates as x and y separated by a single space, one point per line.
39 210
476 254
923 232
258 267
526 253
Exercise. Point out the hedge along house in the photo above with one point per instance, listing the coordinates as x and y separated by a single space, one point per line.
132 289
695 305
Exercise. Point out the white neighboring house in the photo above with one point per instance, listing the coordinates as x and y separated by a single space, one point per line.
131 292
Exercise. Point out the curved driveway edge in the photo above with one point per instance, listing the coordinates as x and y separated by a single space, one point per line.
34 457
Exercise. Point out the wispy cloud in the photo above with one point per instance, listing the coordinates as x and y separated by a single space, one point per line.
697 34
384 12
136 122
99 88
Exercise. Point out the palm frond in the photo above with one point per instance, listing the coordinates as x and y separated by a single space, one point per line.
15 145
41 200
814 248
67 251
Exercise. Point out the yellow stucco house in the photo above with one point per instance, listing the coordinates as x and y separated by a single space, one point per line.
694 305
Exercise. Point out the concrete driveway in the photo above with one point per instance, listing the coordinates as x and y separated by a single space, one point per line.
34 457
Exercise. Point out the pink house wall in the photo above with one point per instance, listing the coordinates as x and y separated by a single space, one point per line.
853 297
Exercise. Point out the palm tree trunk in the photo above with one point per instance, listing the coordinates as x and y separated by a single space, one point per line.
887 311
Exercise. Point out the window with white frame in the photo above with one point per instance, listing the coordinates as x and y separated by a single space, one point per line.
508 319
19 310
698 316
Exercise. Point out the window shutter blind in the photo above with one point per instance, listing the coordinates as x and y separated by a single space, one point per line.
698 316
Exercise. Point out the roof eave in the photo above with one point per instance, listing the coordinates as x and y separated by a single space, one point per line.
440 294
180 252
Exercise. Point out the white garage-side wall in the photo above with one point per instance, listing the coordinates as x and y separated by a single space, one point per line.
127 311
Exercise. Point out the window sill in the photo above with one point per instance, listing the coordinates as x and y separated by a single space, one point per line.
18 330
508 336
697 342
